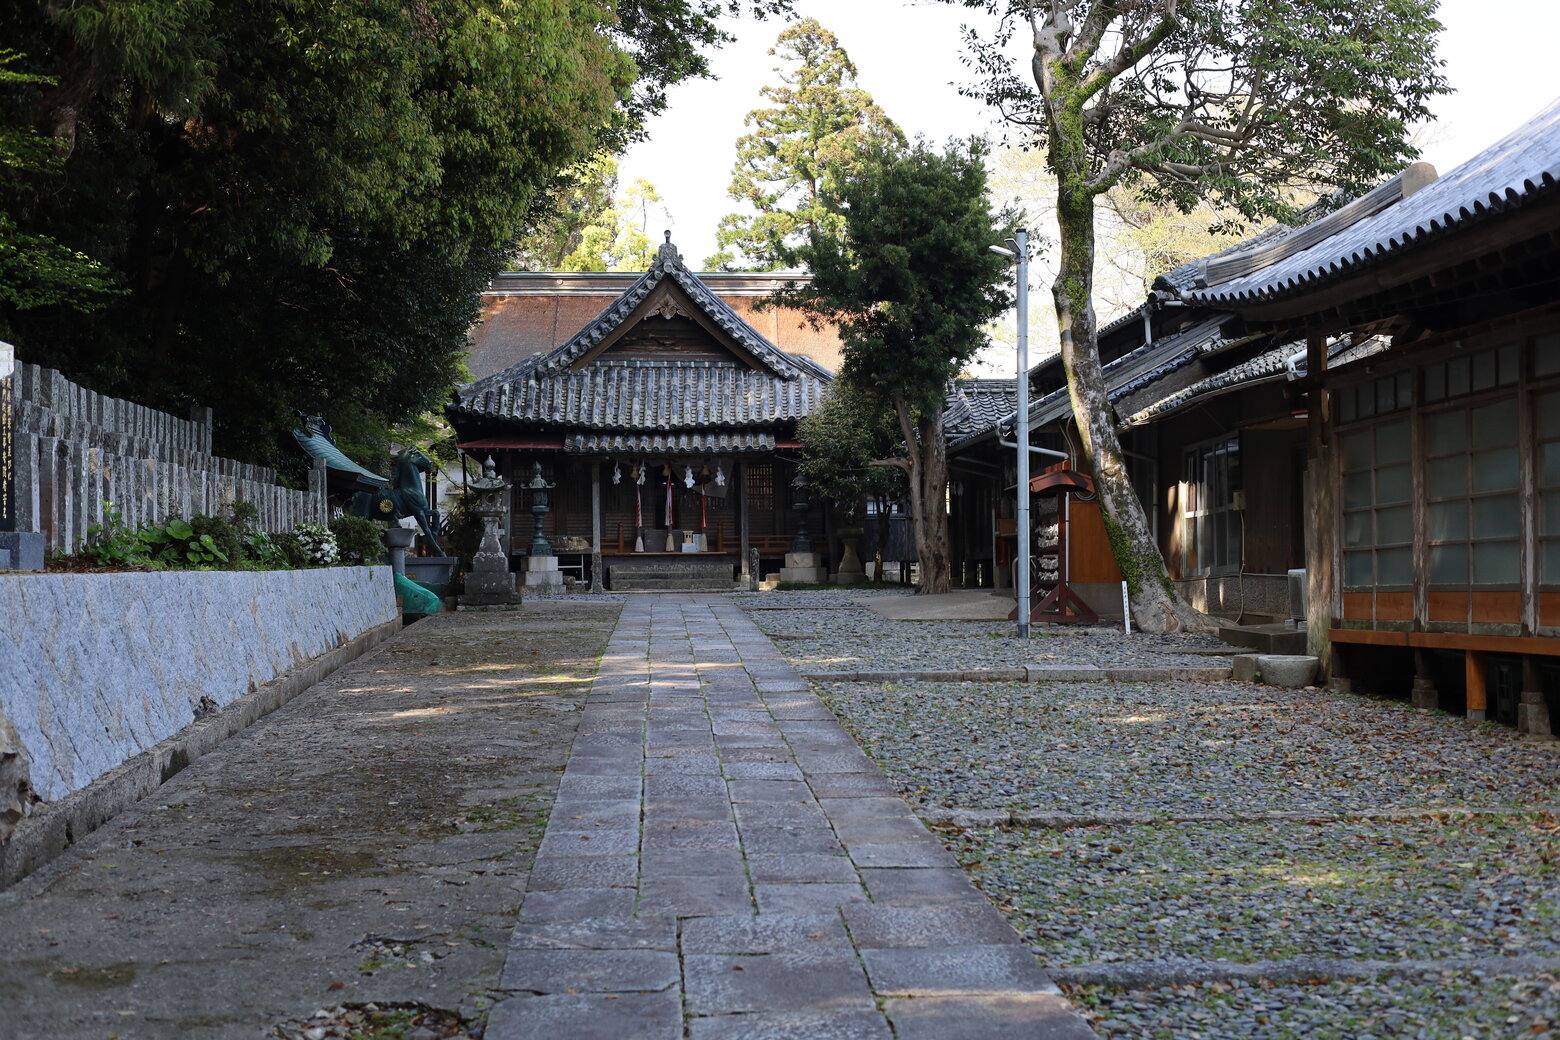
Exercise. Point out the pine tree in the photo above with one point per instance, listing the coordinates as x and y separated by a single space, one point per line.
790 166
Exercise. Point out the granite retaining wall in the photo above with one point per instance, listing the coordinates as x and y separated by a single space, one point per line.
96 669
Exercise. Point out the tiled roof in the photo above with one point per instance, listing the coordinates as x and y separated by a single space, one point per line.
615 404
647 395
668 264
976 404
1518 170
1265 367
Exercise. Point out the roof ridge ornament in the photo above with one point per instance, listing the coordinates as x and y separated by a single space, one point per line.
667 255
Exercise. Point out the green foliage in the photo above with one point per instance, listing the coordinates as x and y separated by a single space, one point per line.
36 270
359 541
113 543
840 441
175 543
619 237
462 529
911 279
789 167
224 534
303 198
1238 103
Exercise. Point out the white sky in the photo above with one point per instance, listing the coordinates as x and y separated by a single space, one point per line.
1499 59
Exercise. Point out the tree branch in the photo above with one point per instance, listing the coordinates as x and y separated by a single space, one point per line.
1132 52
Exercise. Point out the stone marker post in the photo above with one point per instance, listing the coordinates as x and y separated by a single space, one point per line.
19 550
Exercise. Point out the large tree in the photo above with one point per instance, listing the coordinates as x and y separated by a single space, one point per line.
818 130
1238 103
593 226
910 280
302 198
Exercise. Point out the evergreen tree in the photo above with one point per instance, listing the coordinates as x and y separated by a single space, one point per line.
301 199
594 227
789 167
910 280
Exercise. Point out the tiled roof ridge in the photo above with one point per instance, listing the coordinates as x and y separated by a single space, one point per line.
668 262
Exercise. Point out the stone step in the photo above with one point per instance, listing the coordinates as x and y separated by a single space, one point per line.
655 583
1265 639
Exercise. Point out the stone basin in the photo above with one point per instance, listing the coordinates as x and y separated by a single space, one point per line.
1287 670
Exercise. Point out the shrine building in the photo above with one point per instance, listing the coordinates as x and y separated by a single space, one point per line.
664 409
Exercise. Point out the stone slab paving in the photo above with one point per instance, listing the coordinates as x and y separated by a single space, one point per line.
724 863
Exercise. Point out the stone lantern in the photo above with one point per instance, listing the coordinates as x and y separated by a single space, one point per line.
539 510
543 579
489 583
801 563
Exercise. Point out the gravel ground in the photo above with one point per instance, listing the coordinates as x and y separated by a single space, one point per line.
824 635
1438 1006
810 599
1433 888
1247 890
1178 747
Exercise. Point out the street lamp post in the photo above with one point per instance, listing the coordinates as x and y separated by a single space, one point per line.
1019 252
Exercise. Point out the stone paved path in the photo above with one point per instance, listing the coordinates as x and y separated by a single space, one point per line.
723 862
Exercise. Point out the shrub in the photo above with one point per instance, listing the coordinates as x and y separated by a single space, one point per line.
359 541
316 544
223 534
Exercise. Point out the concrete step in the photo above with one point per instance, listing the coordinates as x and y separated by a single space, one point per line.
1265 639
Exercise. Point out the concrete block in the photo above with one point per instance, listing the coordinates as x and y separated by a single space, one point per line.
1289 671
1245 667
1533 715
24 550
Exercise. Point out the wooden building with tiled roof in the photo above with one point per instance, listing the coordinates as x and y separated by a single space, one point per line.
666 413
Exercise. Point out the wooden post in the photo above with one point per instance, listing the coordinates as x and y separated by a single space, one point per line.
1473 671
595 527
1321 545
748 577
1424 694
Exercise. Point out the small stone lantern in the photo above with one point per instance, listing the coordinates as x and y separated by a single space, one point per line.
539 509
543 579
801 563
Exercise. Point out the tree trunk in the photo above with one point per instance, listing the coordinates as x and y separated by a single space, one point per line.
1156 604
931 543
926 470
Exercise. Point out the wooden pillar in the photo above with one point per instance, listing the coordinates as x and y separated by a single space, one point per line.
1473 671
1424 694
1321 552
741 475
595 526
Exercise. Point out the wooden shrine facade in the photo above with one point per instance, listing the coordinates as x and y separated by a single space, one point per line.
667 421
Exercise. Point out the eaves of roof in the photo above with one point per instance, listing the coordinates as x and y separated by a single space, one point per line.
1518 171
1125 375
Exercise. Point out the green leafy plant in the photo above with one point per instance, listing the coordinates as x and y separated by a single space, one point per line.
114 543
176 543
359 541
224 534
